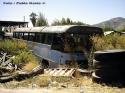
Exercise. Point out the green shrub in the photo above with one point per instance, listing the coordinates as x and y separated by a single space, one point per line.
19 49
24 58
12 46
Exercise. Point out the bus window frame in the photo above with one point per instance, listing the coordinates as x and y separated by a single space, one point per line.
21 35
31 36
54 43
26 38
48 38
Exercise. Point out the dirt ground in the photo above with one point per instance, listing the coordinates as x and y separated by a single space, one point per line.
43 90
80 85
63 90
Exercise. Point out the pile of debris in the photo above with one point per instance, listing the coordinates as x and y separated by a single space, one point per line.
6 64
10 71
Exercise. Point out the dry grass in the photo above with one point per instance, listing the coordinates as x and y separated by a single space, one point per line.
91 87
30 66
84 83
42 81
13 46
109 42
21 44
19 48
25 60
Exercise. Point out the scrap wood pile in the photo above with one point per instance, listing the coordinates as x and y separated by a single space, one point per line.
10 71
6 63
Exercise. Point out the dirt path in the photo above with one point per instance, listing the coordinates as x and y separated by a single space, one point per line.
43 90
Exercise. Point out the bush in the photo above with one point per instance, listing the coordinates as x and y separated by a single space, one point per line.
24 58
12 46
109 42
19 49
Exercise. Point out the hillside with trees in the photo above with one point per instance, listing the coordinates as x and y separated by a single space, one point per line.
117 24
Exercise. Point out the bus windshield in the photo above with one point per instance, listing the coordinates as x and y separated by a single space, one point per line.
76 43
71 43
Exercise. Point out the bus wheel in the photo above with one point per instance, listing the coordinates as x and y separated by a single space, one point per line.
45 64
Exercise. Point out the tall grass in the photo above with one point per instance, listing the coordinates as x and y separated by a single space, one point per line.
12 46
109 42
19 49
24 59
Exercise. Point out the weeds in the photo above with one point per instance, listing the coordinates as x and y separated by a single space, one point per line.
109 42
12 46
19 49
24 59
30 66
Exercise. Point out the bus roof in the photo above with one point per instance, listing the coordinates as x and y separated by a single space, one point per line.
62 29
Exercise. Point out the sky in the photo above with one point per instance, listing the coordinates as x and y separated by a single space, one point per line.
87 11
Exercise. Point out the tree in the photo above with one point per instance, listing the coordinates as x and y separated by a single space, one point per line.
33 18
66 21
41 21
56 22
69 21
78 23
63 21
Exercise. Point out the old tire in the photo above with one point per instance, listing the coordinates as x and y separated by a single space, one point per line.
109 65
110 55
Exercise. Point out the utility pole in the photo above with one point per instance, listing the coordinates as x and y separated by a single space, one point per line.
24 18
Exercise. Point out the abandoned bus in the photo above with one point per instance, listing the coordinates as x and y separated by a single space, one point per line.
57 45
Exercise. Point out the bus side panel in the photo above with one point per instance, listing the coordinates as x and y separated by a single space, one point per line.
73 56
56 56
41 50
60 57
44 51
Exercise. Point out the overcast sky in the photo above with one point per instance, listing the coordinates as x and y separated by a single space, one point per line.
87 11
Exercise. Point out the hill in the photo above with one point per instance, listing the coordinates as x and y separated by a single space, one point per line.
117 23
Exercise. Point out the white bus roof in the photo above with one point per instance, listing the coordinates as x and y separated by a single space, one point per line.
45 29
56 29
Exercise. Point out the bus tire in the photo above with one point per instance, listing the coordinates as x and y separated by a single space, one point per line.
111 74
109 65
119 67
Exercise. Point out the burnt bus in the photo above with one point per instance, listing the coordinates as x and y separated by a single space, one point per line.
57 45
